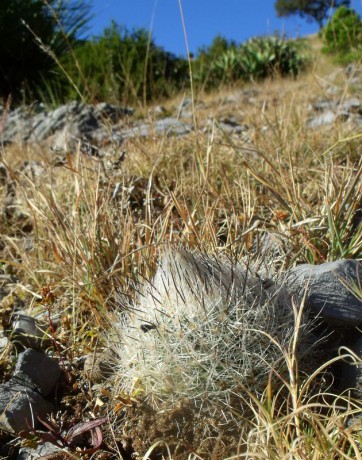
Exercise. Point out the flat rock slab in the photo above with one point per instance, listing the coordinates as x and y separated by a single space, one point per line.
325 119
168 125
24 124
332 290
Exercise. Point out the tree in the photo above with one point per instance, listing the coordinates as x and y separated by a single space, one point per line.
343 32
125 65
312 10
28 28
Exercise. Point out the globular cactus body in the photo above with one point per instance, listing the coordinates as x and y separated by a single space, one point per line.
204 329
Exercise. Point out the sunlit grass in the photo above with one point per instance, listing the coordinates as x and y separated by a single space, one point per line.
96 233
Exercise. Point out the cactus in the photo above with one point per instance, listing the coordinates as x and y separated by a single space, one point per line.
203 330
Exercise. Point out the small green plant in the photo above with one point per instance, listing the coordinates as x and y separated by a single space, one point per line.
343 33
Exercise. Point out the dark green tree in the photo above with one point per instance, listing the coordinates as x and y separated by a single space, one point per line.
343 32
312 10
127 66
28 30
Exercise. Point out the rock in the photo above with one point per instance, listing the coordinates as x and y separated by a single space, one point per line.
4 342
141 130
164 126
271 250
357 121
20 406
93 129
22 397
3 174
328 290
30 125
353 104
105 112
18 126
324 119
353 70
232 126
46 450
157 111
43 372
172 126
27 331
343 115
34 170
186 103
352 373
75 113
355 424
98 366
324 105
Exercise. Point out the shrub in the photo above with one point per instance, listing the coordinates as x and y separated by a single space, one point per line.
343 33
28 26
124 65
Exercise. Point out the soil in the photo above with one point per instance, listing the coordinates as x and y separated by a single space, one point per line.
182 429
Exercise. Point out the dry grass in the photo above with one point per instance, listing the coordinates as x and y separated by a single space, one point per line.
90 231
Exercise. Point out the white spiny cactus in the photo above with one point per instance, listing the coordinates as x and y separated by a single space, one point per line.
202 329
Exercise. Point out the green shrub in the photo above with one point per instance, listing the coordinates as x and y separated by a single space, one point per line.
343 33
124 65
27 29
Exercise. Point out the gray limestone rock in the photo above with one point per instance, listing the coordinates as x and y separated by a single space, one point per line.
46 450
171 125
141 130
324 119
22 397
230 125
164 126
353 104
27 331
324 105
353 70
76 113
331 290
20 405
42 371
36 124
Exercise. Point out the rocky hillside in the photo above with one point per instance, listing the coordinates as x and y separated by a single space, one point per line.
267 175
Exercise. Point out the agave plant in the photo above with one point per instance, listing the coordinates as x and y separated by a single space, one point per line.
227 66
261 57
256 59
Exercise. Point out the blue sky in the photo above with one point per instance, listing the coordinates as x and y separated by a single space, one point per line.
234 19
